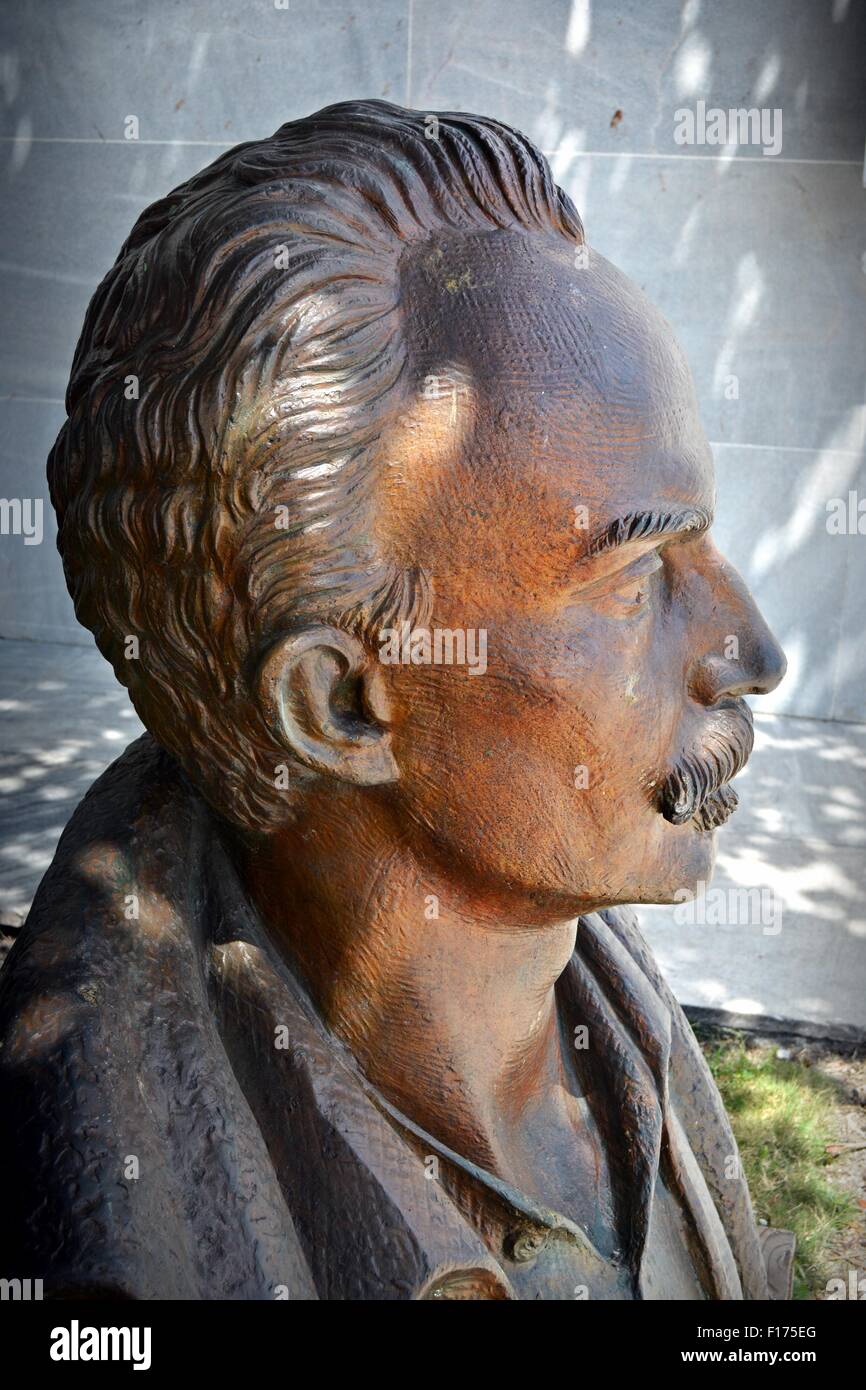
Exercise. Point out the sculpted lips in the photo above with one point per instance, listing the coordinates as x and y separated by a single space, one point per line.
696 789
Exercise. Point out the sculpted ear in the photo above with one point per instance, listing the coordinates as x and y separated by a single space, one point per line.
325 701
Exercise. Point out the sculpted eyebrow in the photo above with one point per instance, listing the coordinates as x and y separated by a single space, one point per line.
638 526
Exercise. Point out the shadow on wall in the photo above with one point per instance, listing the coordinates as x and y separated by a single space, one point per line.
781 930
755 258
65 718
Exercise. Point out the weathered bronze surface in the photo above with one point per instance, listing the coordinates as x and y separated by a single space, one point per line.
388 501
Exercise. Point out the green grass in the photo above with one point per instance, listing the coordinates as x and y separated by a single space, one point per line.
782 1114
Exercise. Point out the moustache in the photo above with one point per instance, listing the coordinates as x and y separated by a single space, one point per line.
696 788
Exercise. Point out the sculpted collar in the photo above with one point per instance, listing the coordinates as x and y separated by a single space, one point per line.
269 1167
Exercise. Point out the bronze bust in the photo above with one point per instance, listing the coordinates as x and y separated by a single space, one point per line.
388 501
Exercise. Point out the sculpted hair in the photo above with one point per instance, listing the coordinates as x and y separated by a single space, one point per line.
215 474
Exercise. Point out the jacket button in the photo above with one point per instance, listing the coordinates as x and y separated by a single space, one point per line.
525 1244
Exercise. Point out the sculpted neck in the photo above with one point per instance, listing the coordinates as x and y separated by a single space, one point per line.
446 1002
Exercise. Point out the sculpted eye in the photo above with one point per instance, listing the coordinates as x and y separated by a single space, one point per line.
630 589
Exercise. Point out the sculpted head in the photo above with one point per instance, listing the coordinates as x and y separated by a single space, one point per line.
351 382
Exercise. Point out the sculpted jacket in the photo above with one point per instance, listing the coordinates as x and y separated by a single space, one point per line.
179 1123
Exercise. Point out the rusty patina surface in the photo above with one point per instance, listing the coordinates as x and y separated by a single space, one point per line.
388 500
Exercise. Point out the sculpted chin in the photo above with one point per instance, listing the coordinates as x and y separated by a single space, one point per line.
332 989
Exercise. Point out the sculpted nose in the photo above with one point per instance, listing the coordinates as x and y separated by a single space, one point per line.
746 660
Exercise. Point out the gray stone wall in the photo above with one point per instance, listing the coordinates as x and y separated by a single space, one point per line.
757 259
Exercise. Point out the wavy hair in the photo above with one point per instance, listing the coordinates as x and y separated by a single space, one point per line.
235 370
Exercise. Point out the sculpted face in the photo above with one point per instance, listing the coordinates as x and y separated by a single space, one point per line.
509 432
552 403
